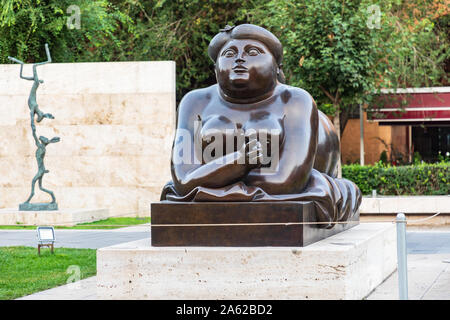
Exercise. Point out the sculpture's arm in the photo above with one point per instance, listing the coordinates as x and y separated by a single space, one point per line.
49 60
26 78
54 140
21 68
188 171
297 152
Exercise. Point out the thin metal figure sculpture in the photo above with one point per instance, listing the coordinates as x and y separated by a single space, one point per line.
42 141
32 104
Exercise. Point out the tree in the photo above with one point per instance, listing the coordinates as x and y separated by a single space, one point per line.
178 30
343 52
421 53
335 49
25 25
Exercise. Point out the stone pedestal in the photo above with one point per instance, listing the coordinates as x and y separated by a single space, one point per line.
238 224
61 217
26 206
348 265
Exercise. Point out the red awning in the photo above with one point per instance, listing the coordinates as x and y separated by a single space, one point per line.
411 105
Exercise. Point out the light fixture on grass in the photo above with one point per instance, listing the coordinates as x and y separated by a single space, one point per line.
46 238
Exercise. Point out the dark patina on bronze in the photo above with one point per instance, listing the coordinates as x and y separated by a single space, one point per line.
238 224
243 181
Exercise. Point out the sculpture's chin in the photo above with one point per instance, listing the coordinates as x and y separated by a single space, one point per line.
239 80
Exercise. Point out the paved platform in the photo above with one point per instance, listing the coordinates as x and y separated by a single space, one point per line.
428 279
385 205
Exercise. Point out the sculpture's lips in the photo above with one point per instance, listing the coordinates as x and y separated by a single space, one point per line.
240 69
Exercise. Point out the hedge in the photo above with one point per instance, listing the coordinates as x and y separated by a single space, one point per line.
422 179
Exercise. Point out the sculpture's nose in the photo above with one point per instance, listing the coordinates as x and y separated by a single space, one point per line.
240 58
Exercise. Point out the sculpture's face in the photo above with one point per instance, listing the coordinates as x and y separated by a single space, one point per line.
245 68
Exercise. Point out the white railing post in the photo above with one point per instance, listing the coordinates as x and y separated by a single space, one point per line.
402 267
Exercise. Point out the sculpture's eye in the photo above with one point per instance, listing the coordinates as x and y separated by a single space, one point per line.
253 52
229 53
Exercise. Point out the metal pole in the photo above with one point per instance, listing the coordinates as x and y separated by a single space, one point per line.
361 135
401 257
410 155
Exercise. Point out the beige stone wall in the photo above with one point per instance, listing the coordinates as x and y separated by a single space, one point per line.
115 121
373 147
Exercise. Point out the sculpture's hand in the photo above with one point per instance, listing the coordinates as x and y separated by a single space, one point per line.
252 152
15 60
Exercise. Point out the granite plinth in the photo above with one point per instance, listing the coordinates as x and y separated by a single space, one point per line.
26 206
238 224
348 265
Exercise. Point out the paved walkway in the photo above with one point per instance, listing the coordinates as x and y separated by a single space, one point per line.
72 238
85 289
428 279
428 266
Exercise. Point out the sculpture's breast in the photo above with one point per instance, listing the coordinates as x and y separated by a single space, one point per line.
218 132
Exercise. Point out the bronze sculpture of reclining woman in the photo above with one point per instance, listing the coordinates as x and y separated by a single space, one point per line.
271 143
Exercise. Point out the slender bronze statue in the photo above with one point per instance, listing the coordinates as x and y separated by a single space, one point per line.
40 142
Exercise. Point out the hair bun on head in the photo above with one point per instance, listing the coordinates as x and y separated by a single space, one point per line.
246 31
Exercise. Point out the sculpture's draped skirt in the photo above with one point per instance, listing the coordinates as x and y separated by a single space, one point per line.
334 199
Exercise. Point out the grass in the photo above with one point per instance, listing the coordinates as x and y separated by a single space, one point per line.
23 272
110 223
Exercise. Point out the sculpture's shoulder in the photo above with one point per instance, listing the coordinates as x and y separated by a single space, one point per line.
297 98
192 105
195 100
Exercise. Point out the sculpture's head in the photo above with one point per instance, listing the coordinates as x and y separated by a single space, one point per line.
247 60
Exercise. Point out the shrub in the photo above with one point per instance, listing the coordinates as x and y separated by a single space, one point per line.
421 179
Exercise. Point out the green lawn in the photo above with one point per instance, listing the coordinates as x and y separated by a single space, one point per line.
110 223
23 272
